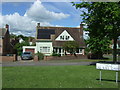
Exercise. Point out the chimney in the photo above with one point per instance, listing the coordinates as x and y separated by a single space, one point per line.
7 26
38 27
38 24
81 30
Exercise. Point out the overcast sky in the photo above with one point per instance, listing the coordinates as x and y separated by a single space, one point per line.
23 16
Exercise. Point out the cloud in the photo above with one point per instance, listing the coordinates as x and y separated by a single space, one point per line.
26 24
39 13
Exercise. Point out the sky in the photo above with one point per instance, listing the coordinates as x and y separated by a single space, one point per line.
24 16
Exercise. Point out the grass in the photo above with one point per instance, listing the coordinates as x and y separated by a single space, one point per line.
76 60
56 77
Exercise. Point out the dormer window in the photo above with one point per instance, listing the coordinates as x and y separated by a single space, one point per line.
62 37
67 37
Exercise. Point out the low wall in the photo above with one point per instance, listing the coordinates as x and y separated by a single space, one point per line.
8 58
65 57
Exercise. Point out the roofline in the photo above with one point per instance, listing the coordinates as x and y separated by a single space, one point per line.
57 27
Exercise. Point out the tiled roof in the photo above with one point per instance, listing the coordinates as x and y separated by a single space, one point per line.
73 32
45 33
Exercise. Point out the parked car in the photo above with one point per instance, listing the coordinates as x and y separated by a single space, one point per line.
27 56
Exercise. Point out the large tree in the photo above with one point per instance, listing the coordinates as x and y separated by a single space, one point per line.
103 20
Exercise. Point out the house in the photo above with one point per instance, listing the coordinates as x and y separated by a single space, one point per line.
118 44
21 40
49 39
5 46
31 41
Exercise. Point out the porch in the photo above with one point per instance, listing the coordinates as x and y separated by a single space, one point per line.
61 51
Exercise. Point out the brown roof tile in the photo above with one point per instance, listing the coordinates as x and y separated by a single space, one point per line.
74 32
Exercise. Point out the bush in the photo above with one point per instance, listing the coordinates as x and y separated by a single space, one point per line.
40 56
55 54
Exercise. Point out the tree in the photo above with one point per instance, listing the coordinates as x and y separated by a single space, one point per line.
19 46
25 38
13 36
98 47
103 20
71 47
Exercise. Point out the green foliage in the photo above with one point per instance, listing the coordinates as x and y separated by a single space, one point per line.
70 46
98 45
40 56
55 54
25 38
13 36
34 44
103 20
19 46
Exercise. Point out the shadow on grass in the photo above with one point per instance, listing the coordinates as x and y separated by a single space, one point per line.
108 62
108 80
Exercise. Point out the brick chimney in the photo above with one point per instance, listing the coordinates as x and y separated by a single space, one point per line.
37 27
81 30
7 26
38 24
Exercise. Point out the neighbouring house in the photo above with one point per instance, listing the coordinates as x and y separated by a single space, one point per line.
21 40
117 45
31 41
49 39
5 45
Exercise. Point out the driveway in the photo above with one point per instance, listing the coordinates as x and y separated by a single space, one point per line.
42 63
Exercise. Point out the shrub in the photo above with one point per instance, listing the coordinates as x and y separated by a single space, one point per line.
40 56
55 54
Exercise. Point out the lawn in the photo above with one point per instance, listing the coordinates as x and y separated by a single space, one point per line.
76 60
56 77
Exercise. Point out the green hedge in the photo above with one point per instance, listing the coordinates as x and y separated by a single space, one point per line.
55 54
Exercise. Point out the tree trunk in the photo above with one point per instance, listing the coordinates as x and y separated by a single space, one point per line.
115 50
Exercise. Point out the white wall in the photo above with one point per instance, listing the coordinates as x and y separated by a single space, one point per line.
85 35
44 44
64 34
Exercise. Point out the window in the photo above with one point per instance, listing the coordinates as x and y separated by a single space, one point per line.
44 49
60 37
48 49
67 37
80 51
64 37
40 49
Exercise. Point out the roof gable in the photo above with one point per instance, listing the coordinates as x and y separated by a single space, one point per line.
64 36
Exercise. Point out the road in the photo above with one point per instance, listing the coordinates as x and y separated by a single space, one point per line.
32 63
